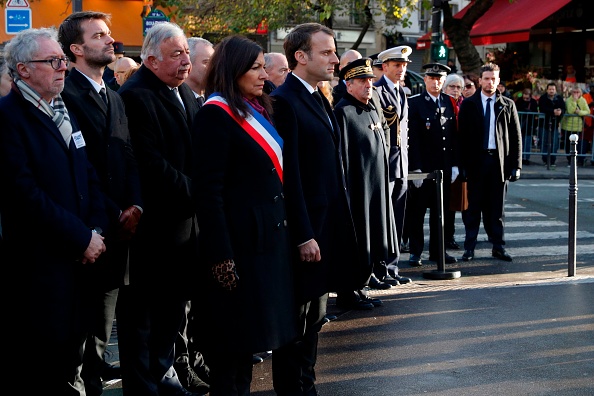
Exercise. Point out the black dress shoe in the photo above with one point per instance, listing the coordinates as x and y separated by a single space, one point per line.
110 372
375 283
256 359
468 255
390 281
190 380
376 302
404 248
403 279
415 261
330 317
501 254
452 245
448 259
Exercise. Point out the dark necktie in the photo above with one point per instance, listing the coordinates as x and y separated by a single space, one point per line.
178 96
200 100
398 100
318 99
487 124
103 95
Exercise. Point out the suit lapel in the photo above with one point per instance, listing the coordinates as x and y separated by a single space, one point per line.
86 90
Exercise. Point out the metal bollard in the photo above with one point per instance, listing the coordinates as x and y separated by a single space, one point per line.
440 273
571 263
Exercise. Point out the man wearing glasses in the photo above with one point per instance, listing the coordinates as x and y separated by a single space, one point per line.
52 215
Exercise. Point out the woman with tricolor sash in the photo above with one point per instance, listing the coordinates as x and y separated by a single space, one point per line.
248 305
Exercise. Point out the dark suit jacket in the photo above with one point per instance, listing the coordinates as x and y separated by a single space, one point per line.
105 129
398 154
317 203
507 135
160 129
433 135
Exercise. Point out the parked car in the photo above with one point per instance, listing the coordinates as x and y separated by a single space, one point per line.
414 81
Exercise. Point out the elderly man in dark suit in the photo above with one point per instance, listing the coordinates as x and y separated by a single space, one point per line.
319 219
395 106
491 140
104 125
52 212
160 109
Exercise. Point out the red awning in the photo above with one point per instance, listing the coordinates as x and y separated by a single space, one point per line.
505 22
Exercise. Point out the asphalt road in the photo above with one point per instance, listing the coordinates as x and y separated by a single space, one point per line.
521 328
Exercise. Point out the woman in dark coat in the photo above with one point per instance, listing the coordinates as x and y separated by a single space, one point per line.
244 245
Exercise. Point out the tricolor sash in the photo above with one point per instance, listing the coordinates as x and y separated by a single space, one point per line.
259 128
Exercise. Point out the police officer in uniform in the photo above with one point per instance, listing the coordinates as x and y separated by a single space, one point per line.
432 146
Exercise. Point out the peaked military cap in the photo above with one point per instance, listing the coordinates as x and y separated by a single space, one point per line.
399 54
436 70
360 68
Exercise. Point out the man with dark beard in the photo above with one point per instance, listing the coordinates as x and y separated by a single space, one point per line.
86 40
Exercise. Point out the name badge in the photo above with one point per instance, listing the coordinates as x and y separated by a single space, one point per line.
79 140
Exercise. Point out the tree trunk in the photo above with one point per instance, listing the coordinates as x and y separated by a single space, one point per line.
365 26
458 32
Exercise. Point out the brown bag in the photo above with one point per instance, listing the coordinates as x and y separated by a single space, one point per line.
458 196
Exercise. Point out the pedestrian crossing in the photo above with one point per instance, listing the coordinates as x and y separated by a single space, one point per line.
528 234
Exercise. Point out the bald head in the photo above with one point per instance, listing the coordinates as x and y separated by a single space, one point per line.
347 57
121 66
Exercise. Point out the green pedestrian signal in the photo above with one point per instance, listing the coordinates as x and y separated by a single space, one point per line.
439 51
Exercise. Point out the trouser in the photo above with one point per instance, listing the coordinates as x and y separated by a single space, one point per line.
486 197
293 365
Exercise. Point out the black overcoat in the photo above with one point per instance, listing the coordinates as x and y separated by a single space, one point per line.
162 254
365 157
315 190
241 215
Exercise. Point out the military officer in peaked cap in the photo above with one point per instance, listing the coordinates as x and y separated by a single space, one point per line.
432 146
365 152
394 104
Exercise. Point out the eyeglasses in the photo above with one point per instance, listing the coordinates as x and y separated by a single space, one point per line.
455 86
56 63
468 86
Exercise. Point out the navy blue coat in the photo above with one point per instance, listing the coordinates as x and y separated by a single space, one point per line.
315 189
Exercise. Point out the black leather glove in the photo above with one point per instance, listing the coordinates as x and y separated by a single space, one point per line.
515 175
225 274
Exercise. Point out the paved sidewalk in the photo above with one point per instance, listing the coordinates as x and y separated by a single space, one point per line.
561 171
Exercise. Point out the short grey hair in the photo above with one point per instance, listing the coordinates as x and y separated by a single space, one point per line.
453 78
193 42
24 45
155 37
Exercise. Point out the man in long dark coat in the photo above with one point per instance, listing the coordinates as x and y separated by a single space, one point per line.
364 132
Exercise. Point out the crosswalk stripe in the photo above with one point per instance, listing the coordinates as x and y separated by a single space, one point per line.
530 251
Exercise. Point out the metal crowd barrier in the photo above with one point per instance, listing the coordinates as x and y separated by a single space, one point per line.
539 145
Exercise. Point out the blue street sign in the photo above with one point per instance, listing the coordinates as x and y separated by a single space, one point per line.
17 19
154 17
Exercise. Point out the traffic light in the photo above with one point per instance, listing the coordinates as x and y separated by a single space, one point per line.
439 51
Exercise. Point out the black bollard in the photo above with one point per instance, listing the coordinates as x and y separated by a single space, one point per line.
441 272
571 263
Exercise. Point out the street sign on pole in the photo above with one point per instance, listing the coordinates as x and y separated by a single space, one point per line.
17 19
17 4
154 17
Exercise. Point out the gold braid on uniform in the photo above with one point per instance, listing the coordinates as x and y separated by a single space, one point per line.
390 114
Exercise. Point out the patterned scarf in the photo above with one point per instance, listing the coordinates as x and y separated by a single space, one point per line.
58 114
